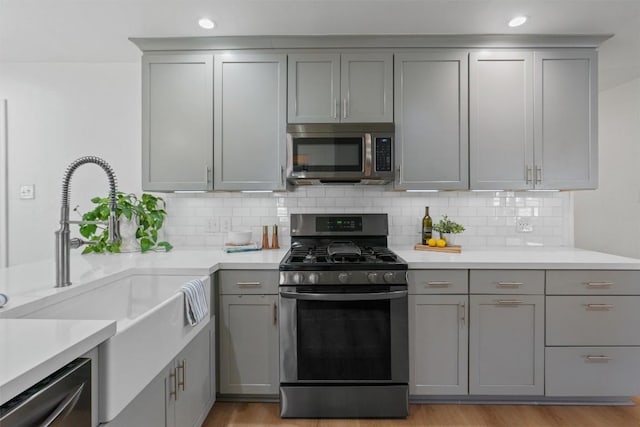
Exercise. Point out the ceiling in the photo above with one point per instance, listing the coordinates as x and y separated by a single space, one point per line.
98 30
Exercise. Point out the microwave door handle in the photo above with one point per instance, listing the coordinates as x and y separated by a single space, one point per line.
367 154
373 296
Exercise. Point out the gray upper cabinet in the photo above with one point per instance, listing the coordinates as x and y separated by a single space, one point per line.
533 120
250 121
566 146
431 115
332 88
177 122
501 120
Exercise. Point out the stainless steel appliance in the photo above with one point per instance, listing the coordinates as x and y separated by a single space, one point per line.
343 320
63 399
348 153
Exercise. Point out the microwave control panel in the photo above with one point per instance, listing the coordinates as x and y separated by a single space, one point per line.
383 154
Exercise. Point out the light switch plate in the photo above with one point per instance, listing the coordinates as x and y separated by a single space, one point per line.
28 192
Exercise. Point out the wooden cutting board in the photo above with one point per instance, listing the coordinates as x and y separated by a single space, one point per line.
450 249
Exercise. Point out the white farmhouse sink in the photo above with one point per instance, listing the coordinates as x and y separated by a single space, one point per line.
151 330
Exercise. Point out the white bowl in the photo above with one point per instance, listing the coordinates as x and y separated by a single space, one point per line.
238 237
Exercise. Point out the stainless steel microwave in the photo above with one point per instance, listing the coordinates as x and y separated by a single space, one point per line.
340 153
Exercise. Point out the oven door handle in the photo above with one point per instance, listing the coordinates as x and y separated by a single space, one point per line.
345 297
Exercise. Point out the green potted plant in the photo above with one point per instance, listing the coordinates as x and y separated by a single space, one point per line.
144 216
447 229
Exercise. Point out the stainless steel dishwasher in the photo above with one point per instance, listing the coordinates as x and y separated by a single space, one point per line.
63 399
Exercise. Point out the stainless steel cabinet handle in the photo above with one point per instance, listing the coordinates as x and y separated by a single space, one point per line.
463 313
335 108
598 284
66 406
247 284
509 302
344 108
437 284
527 175
509 284
182 367
604 307
538 175
207 169
174 376
599 358
282 175
275 314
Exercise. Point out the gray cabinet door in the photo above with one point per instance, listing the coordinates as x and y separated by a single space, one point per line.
194 386
501 120
506 345
177 122
250 121
367 87
438 334
314 88
566 148
249 344
431 112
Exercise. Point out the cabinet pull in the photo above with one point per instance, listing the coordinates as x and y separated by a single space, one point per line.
174 375
335 108
183 367
344 108
282 175
599 358
275 314
604 307
206 174
527 175
509 284
463 314
538 175
599 284
248 284
508 302
436 284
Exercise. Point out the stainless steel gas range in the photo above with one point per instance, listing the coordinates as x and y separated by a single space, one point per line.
343 320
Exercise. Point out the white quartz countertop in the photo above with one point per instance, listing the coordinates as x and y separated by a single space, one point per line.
32 349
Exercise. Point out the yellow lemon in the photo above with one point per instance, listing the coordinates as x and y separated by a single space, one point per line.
431 242
441 243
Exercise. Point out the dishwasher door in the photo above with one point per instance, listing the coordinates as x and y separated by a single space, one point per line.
63 399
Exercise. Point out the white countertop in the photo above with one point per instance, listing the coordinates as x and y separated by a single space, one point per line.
33 349
36 348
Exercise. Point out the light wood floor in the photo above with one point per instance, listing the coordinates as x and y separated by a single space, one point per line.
226 414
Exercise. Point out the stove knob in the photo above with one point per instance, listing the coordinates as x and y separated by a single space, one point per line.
373 277
313 278
343 277
298 278
388 277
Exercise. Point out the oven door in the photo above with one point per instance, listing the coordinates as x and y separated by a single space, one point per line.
344 334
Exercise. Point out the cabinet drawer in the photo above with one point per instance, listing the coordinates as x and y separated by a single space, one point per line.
593 282
592 371
593 320
248 282
438 281
529 282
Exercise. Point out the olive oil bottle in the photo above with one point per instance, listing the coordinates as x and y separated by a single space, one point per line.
427 226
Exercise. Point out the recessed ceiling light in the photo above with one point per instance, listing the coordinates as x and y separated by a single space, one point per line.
206 23
517 21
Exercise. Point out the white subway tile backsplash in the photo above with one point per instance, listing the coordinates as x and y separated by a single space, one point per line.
489 217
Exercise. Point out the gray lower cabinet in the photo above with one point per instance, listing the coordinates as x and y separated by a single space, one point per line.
177 122
180 395
334 87
506 344
250 95
438 346
533 119
431 116
248 330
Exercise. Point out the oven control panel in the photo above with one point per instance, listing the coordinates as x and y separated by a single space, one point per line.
358 277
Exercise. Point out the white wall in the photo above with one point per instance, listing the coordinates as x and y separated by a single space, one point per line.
56 113
608 219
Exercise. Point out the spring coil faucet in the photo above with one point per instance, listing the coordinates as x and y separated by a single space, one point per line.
63 241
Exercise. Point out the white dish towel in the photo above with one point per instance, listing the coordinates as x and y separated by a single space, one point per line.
195 301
